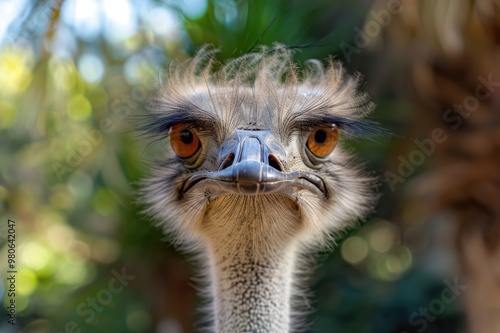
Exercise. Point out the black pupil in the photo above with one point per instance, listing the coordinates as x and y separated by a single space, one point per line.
187 137
320 136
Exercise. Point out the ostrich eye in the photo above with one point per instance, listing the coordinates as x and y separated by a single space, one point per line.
322 141
184 141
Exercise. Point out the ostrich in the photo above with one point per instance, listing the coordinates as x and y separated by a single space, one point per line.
251 176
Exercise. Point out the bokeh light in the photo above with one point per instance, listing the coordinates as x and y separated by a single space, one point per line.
35 256
15 71
354 249
91 68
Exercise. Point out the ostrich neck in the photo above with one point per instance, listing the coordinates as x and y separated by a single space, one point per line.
253 294
252 258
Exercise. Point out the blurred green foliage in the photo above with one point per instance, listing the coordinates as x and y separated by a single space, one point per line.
72 76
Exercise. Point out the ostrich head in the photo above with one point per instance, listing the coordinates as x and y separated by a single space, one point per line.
252 175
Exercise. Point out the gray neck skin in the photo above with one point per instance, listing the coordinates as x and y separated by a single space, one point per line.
253 295
251 242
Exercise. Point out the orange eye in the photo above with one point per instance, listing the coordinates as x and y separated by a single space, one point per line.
322 141
184 141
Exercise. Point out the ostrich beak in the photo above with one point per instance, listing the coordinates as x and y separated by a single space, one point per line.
251 165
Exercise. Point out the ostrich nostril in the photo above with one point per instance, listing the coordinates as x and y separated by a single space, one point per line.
228 161
274 162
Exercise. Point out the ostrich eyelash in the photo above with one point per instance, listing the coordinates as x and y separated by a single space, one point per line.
193 118
354 127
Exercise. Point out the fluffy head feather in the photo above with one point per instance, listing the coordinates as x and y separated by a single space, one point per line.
262 90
